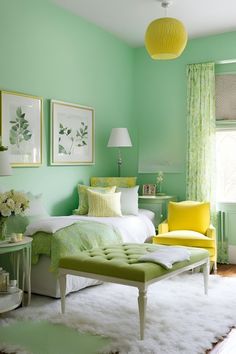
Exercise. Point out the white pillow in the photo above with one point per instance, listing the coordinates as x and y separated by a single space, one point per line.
129 200
36 207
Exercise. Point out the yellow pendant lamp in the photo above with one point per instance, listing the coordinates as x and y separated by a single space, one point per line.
166 37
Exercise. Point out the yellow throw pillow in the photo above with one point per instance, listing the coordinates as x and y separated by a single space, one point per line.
104 204
188 215
83 197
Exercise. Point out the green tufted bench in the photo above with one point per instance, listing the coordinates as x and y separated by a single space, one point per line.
119 264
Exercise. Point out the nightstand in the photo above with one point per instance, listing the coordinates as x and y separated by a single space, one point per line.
20 252
157 204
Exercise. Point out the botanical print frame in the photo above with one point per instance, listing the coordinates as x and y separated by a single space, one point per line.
21 127
149 189
72 134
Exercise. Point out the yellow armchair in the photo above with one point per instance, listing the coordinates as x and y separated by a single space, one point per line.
188 225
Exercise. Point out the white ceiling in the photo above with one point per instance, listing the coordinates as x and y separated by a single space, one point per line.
128 19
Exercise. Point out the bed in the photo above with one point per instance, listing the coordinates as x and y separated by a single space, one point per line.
55 237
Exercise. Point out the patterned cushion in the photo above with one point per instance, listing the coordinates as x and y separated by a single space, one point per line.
113 181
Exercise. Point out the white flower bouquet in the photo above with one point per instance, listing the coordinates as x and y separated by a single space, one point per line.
13 203
160 177
159 180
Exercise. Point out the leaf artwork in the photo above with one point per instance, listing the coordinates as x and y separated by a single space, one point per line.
76 138
19 129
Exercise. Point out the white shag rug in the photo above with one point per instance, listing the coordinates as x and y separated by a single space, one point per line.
180 318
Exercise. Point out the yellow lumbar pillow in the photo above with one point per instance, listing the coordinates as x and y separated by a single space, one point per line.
104 204
188 215
123 182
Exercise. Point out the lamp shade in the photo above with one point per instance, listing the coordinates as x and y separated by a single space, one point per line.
5 167
165 38
119 138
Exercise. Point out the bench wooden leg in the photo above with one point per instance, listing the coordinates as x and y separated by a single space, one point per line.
206 269
62 283
142 302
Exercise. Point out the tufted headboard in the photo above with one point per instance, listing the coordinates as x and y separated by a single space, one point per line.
113 181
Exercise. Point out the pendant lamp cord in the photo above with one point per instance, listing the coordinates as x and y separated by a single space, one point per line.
165 4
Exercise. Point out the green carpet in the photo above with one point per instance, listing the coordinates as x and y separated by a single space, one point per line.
48 338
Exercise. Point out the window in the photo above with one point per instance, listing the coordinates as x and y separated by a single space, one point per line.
225 97
226 137
226 164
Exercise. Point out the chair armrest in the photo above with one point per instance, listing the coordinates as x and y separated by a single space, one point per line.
211 232
163 227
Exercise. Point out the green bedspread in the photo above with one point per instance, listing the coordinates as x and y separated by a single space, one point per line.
82 235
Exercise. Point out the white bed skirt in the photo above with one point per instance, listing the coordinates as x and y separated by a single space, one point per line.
134 229
44 282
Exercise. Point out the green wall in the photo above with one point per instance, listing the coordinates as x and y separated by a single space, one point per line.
160 102
49 52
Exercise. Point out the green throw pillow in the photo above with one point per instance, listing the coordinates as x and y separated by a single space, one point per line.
104 204
83 197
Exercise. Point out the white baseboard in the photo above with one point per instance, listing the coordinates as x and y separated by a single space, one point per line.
232 254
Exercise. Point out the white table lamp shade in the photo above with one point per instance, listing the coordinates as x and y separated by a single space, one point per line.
119 138
5 167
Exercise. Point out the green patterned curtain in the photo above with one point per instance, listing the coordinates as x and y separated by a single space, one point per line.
201 140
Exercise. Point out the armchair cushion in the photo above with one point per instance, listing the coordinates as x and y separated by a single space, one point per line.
184 238
194 216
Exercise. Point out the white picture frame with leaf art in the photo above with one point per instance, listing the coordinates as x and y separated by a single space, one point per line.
72 134
21 128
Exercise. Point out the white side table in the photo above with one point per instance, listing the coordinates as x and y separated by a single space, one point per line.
157 204
21 253
9 302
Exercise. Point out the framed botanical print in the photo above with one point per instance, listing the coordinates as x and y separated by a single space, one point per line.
72 134
21 128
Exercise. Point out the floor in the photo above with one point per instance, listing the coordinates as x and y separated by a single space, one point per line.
227 270
228 345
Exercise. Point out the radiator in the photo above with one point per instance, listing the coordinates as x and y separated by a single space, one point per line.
227 231
221 226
